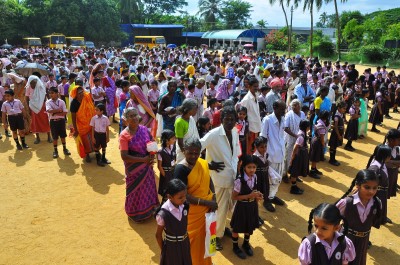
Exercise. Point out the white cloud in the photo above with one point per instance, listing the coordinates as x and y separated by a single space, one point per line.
274 15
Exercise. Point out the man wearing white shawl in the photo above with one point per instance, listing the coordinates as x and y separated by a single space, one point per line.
35 97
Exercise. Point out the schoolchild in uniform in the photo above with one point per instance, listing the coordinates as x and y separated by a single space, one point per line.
203 127
172 220
13 114
57 110
318 143
243 127
2 90
337 134
100 134
326 245
377 163
362 210
376 115
153 95
261 159
166 159
351 133
98 93
299 164
245 215
392 139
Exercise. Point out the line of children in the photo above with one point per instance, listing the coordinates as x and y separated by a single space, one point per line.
317 148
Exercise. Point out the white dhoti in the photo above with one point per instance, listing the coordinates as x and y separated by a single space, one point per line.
273 188
224 201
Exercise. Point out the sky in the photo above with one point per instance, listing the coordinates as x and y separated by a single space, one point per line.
274 15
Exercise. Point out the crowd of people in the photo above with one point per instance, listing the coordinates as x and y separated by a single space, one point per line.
267 120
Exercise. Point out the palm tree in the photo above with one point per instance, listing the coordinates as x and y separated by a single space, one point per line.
339 37
282 3
262 23
210 10
323 18
129 10
309 4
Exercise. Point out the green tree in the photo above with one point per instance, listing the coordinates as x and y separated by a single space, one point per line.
310 5
36 16
11 17
262 24
129 10
282 4
353 33
346 16
375 29
323 19
69 23
236 13
331 21
392 32
153 9
210 11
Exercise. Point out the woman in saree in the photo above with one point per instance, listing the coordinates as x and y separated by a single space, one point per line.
111 89
139 101
82 111
19 91
141 194
363 120
36 96
185 126
194 172
224 90
133 79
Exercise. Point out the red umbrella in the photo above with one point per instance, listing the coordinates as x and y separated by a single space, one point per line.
248 45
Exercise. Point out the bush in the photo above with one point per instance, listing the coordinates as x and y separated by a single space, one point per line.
374 53
325 48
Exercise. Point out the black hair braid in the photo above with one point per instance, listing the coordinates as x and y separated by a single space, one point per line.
310 221
345 226
385 139
370 159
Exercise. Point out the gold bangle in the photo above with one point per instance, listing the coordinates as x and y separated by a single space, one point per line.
198 201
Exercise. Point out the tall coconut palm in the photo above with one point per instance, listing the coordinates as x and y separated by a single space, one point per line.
210 10
323 18
339 36
282 4
310 5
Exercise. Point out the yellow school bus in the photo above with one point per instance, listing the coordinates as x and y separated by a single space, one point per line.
31 42
150 41
55 40
76 42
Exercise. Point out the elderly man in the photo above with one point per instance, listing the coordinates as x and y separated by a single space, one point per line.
273 129
292 121
304 92
223 151
274 94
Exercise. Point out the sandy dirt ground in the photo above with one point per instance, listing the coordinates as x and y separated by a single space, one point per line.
65 211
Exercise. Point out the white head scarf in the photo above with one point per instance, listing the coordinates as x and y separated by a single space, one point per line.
39 93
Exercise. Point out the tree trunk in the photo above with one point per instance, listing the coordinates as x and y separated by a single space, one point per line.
284 12
312 30
338 30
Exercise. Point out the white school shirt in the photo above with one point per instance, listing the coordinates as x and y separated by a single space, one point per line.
219 150
55 104
253 112
274 132
12 107
100 124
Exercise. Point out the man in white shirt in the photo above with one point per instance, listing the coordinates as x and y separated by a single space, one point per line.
223 147
273 129
253 113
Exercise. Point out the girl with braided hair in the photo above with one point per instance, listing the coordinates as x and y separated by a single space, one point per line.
326 245
362 208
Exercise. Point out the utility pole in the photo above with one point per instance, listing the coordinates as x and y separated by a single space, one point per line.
187 29
290 30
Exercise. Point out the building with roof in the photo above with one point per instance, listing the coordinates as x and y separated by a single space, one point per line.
303 33
218 39
170 32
